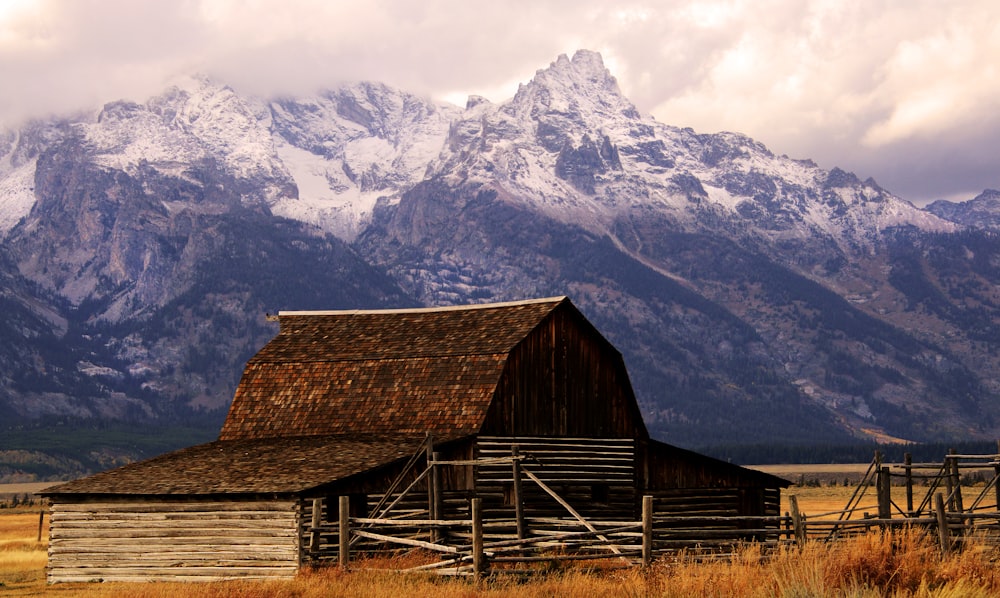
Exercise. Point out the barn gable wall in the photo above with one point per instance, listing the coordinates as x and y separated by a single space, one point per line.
564 379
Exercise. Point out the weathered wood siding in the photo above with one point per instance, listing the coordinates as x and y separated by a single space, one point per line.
596 476
564 379
175 541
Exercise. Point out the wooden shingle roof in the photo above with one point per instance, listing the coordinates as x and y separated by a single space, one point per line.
268 466
380 372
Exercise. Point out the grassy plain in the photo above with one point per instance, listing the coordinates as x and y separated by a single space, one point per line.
907 564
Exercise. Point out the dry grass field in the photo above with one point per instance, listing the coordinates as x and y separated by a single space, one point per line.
907 564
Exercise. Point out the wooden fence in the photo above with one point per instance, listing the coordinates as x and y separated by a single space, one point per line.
474 545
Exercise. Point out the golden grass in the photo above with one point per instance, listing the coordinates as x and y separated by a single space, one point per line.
900 565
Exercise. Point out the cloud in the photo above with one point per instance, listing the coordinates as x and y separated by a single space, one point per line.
873 86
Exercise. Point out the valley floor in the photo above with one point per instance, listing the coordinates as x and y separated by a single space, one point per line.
907 563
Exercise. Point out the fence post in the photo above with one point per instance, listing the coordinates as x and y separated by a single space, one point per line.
996 474
344 531
317 519
478 562
430 477
647 530
942 519
437 502
41 523
957 476
798 524
515 452
908 467
884 490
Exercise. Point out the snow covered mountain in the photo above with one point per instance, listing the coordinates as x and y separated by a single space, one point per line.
982 211
755 297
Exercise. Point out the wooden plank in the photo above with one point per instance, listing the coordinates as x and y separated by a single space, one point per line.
405 541
164 512
478 560
647 530
173 507
563 503
413 522
344 532
154 533
942 525
177 562
199 541
202 553
105 572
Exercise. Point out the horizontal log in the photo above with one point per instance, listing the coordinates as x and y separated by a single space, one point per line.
526 441
564 535
199 541
150 533
415 522
229 524
173 562
83 557
405 541
175 516
574 522
658 519
113 574
547 459
633 552
176 507
696 534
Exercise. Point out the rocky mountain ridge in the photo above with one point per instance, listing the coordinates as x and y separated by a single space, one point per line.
756 298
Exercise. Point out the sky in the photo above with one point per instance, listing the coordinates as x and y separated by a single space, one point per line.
904 91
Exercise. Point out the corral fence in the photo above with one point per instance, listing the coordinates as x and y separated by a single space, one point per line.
934 499
958 497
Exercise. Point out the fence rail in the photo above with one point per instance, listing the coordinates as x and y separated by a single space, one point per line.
471 545
635 542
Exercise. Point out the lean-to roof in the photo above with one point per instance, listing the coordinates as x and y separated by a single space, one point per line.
268 466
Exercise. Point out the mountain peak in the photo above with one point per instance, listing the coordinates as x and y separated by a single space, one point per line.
585 70
576 87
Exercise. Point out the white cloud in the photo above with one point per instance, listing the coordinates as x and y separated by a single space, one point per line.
873 86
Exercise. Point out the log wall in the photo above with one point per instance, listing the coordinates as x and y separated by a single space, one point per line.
595 476
175 541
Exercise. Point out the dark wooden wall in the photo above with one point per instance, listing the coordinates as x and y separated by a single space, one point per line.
565 379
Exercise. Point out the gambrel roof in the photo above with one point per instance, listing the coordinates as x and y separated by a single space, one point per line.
338 394
389 371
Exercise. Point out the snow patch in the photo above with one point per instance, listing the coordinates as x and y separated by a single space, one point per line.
17 196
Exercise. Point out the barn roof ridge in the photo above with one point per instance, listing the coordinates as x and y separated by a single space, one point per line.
423 355
417 310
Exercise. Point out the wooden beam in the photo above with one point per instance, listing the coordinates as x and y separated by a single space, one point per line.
317 520
942 521
647 530
399 479
567 506
344 531
430 481
407 541
798 525
437 494
478 558
883 491
908 468
515 454
996 479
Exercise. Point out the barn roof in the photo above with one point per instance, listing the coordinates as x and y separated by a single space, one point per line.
387 371
267 466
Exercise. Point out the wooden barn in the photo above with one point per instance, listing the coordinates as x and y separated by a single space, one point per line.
522 405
